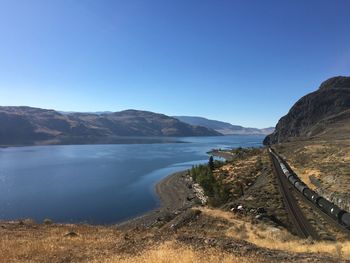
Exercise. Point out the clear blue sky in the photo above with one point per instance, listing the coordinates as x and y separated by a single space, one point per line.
245 62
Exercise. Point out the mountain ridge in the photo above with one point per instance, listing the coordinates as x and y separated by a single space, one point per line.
322 113
25 125
224 127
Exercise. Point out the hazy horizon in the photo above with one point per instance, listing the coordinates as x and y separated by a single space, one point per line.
242 62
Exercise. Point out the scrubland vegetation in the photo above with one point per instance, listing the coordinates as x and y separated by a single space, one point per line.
217 192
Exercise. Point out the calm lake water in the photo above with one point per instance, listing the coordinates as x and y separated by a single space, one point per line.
98 184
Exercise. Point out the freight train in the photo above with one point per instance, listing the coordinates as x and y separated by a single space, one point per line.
327 207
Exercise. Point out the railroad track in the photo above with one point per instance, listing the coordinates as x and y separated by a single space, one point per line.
297 217
328 218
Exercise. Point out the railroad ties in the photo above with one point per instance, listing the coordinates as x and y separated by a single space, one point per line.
297 217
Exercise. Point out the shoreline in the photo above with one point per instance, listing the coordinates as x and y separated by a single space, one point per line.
175 194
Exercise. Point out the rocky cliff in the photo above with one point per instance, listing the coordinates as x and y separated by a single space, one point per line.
325 112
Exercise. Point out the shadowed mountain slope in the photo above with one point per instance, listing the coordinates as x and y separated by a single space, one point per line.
27 125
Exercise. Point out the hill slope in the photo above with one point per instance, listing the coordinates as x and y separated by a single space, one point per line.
324 113
223 127
26 125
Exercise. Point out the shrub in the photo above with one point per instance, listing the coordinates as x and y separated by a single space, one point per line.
47 221
216 191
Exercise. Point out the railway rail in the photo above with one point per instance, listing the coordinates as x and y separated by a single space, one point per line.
302 226
330 212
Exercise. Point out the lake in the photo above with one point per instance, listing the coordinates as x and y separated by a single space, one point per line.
98 184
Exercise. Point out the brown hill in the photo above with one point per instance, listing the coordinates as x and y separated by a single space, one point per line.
323 113
224 127
26 126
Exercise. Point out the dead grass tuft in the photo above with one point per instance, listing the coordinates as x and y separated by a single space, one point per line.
171 252
276 238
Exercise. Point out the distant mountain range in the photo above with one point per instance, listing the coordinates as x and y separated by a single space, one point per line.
224 128
30 126
324 113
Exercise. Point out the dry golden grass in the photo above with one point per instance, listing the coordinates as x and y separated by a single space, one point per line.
171 252
235 169
97 245
49 244
39 243
279 239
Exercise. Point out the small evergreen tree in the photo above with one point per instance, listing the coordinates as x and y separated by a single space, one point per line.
211 163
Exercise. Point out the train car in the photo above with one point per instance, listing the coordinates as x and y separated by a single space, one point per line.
287 174
345 219
309 194
300 186
293 179
285 171
325 205
337 212
291 174
278 159
315 197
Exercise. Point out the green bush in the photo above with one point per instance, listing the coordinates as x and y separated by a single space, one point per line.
216 191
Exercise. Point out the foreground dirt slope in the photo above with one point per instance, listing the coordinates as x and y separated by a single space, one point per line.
204 235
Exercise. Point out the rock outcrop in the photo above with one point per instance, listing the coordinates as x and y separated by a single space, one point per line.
323 113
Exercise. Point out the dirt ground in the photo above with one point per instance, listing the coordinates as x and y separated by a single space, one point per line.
192 236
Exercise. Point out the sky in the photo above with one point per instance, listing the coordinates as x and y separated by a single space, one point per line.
241 61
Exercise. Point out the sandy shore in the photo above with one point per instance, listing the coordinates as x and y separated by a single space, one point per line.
175 193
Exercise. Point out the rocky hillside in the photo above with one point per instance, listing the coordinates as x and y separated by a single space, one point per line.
324 113
26 125
224 127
